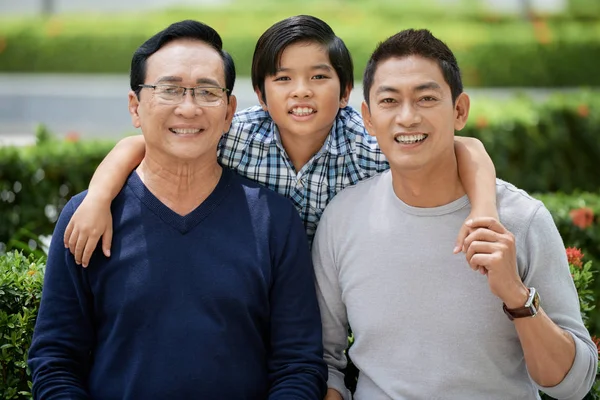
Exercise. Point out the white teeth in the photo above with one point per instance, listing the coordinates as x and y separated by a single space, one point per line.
302 111
410 139
185 131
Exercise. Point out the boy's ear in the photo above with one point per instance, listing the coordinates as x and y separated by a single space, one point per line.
263 103
366 116
134 104
345 98
461 111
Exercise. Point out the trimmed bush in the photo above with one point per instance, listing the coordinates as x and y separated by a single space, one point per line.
492 50
37 181
21 280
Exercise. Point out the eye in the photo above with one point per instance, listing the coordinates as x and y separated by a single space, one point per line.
208 93
428 99
321 76
388 100
281 78
168 90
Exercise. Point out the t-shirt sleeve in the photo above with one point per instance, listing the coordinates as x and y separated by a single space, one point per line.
548 271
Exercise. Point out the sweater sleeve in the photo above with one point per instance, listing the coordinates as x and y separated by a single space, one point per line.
548 271
59 356
333 309
296 366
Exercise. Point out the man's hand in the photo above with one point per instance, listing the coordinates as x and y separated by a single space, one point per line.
333 394
491 246
89 222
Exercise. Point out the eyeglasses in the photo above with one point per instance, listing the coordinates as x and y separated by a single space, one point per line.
206 96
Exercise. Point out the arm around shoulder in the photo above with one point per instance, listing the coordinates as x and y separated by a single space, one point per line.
296 366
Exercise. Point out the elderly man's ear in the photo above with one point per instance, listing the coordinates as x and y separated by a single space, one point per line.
134 103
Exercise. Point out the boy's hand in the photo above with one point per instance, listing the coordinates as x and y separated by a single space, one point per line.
491 246
466 229
90 221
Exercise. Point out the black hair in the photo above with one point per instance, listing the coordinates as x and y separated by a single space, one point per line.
300 28
421 43
187 29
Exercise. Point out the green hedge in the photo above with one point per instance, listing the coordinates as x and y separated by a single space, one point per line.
492 52
547 147
21 280
37 181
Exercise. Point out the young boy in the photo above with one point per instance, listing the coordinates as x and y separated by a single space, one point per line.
303 141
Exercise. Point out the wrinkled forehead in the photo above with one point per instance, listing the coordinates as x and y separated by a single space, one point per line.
186 61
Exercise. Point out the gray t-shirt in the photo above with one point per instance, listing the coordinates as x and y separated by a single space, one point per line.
426 325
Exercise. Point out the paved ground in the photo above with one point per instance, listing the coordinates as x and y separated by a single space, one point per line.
96 105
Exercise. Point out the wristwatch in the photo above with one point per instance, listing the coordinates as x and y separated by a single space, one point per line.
530 309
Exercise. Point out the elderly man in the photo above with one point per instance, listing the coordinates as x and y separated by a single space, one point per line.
426 326
209 293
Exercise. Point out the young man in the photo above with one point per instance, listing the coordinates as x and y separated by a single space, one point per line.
303 141
175 313
425 325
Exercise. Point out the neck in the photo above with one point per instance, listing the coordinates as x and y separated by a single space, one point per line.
428 187
300 149
181 186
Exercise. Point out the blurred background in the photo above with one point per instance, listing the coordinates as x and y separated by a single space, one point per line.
530 66
64 63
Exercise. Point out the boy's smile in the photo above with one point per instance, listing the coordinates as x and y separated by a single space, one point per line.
303 97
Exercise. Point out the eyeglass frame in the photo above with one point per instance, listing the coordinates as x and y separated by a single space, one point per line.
193 92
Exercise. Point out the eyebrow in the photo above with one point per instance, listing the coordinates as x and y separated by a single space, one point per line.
419 88
326 67
200 81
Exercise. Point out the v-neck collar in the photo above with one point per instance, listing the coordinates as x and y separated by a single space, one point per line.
184 223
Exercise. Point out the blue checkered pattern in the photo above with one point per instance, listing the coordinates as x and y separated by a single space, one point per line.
253 148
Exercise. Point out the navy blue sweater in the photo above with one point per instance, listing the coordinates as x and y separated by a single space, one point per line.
217 304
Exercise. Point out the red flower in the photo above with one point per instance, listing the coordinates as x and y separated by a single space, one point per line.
582 217
597 341
574 256
583 110
481 122
72 137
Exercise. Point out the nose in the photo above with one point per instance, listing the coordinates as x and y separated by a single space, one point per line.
408 115
302 89
188 107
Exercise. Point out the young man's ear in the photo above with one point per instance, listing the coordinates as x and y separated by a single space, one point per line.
134 104
366 116
261 99
345 98
461 111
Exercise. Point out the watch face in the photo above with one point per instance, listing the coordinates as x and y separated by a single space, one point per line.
536 301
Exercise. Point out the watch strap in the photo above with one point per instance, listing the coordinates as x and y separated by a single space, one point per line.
530 308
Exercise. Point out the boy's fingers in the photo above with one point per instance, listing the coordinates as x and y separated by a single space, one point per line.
73 240
106 240
486 222
79 248
87 253
460 239
68 233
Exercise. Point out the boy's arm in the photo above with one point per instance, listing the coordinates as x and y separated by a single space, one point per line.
478 177
296 367
93 218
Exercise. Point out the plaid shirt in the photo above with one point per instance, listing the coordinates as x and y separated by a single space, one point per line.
253 148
